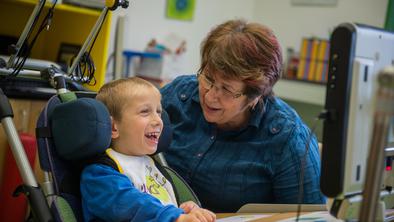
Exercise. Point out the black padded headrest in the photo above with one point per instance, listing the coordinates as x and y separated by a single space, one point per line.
81 128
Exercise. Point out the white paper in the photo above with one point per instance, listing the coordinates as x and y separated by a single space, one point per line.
320 216
243 218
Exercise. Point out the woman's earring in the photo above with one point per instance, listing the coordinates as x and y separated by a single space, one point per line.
253 107
256 101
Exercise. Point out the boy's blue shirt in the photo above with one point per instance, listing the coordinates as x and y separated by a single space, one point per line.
257 164
111 196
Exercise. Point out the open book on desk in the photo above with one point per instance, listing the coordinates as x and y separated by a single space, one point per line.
280 208
278 212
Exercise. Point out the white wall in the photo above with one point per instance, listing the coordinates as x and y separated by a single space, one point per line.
145 19
292 23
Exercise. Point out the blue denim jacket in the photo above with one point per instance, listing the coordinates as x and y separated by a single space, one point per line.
260 163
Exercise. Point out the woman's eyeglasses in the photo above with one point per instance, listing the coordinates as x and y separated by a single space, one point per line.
224 92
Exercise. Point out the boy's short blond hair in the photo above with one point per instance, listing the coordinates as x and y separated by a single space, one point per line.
116 94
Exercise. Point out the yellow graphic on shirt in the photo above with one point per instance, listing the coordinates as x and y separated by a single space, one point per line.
157 190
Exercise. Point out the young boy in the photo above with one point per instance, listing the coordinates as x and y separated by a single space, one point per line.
138 191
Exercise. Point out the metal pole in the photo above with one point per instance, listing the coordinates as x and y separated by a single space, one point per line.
30 188
25 32
19 152
118 52
383 114
88 41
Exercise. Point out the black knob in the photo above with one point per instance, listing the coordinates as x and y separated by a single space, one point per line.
12 49
125 4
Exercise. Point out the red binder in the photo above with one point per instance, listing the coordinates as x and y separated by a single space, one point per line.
14 209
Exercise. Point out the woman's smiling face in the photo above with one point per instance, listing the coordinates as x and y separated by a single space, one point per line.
223 102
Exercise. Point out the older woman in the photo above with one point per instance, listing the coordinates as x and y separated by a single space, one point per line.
234 141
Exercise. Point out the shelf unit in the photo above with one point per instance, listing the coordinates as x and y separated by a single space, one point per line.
301 91
70 25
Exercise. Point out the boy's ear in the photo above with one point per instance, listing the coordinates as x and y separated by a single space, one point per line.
115 132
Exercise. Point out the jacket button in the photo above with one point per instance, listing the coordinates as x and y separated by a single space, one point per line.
275 130
183 97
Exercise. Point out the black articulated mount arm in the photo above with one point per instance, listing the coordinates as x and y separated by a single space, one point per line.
55 77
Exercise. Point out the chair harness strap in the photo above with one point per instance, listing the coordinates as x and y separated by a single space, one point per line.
43 132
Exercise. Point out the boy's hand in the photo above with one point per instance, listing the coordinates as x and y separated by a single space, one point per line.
203 215
193 213
188 206
197 215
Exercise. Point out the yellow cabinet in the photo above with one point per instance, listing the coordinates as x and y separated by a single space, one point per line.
70 25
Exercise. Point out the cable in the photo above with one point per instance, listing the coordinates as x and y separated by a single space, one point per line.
22 52
85 69
26 49
322 115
